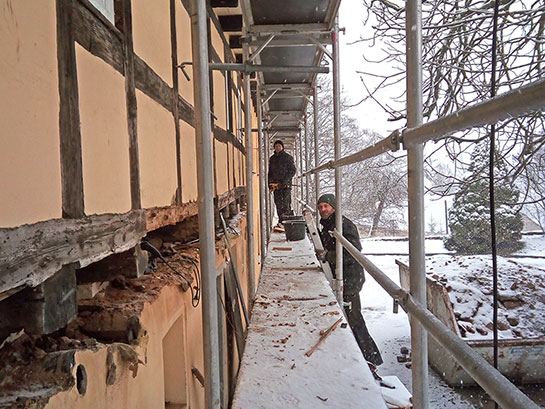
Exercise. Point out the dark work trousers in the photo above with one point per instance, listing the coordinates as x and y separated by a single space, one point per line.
368 347
282 200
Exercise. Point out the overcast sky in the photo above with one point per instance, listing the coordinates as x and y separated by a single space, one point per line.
369 114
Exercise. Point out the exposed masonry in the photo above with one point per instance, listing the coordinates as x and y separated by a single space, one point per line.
36 367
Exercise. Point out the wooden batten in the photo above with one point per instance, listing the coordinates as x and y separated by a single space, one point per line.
175 95
69 120
130 90
30 254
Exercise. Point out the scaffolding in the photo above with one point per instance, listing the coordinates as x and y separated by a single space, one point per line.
285 83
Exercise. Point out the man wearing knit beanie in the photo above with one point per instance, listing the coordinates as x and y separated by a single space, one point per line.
281 171
353 275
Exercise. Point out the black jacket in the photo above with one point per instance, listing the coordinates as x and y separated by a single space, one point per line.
353 274
281 169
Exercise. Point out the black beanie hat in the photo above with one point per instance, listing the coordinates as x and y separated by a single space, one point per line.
279 142
328 198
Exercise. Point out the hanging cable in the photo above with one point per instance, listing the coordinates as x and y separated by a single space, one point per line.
195 291
492 195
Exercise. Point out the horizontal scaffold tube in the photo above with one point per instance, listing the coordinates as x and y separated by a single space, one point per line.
391 143
511 104
267 68
492 381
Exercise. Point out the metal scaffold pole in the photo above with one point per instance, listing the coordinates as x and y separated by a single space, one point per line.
338 174
199 38
301 184
307 180
267 193
262 183
316 153
250 228
419 338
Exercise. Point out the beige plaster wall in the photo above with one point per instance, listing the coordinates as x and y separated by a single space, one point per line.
151 33
189 162
104 134
221 167
145 390
30 185
183 42
157 153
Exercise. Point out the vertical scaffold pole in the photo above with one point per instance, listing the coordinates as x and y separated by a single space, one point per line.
301 183
316 153
262 185
250 228
267 193
419 339
307 165
338 174
199 39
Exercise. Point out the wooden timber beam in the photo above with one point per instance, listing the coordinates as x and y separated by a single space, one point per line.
158 217
30 254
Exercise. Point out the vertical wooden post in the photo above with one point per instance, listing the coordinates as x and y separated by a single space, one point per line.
130 92
73 206
175 110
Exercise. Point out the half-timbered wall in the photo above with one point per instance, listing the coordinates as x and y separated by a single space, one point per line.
98 151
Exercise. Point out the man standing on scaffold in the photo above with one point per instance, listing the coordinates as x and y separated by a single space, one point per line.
281 171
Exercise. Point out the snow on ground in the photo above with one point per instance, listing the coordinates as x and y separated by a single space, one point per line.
521 290
391 331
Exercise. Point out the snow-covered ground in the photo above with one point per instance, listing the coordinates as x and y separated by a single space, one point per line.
392 331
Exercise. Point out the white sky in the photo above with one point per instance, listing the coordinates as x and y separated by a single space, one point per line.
369 114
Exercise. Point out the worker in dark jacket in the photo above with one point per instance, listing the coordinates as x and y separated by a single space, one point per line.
281 171
353 275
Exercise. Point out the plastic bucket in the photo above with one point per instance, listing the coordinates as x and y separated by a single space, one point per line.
295 229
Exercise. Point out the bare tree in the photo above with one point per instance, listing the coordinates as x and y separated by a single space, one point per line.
375 190
457 41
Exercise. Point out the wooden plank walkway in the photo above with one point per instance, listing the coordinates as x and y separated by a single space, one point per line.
294 304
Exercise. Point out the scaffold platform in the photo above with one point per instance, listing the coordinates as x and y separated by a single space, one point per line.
281 367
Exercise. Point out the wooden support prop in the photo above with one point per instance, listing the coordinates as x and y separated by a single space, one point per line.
324 336
233 310
235 272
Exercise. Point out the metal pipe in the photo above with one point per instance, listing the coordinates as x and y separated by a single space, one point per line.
492 381
510 104
391 143
199 40
320 46
289 29
262 184
419 337
307 180
267 68
316 154
250 228
301 184
260 48
338 175
268 194
270 96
